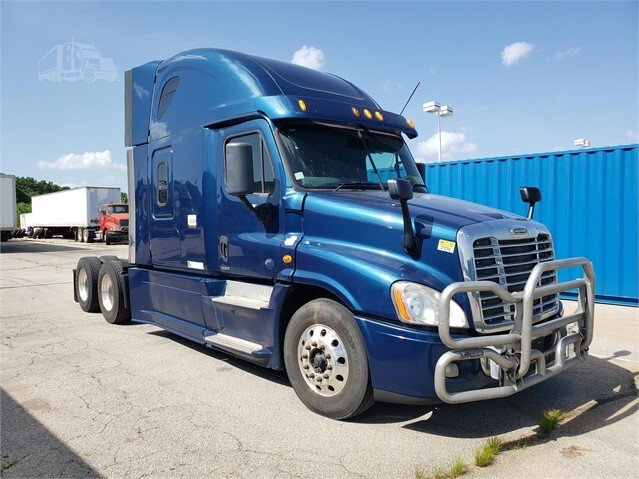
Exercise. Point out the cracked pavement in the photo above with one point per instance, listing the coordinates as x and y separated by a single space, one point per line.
83 398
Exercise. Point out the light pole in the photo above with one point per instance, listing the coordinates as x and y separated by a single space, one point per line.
581 143
439 111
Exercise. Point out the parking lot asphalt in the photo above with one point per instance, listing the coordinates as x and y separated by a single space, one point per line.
83 398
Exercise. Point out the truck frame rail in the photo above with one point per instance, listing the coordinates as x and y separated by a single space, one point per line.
517 354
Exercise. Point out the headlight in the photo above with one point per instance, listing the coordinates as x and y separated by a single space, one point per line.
418 304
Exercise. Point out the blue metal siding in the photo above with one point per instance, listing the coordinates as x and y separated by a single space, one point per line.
589 203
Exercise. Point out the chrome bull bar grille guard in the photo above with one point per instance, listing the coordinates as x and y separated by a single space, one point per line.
519 354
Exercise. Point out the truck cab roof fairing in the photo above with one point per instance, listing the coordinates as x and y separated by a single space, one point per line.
220 85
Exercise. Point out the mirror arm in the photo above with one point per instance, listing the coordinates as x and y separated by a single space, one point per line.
263 212
531 211
409 240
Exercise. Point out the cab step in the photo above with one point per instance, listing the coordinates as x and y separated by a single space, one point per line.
245 295
240 347
242 302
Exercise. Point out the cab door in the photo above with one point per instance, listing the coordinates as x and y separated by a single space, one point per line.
165 241
248 247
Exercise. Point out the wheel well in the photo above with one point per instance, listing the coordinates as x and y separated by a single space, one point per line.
297 296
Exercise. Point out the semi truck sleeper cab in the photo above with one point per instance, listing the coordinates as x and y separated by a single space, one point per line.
277 214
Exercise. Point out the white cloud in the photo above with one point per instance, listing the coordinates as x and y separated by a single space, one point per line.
571 51
310 57
514 52
454 143
90 160
632 135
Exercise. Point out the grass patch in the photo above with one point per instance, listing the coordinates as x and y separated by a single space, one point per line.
485 455
420 473
549 420
458 468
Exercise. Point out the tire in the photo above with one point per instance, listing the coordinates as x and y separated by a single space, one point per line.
338 352
85 235
88 75
86 283
107 238
90 236
111 293
109 257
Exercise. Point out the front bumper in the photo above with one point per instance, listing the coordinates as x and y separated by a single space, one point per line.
512 354
121 234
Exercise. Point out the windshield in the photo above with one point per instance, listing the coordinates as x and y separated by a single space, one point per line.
118 209
325 157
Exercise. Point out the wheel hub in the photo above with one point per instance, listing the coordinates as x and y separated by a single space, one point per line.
107 292
83 284
323 360
318 360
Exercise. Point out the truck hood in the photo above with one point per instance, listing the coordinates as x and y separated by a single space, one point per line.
442 215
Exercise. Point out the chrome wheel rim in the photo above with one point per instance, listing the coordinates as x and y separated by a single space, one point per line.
107 292
323 360
85 236
83 284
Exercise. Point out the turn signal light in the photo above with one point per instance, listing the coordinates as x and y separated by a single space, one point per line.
302 104
368 114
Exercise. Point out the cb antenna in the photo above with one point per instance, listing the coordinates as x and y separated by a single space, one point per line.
411 96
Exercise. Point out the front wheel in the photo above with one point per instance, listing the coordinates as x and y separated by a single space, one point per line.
326 361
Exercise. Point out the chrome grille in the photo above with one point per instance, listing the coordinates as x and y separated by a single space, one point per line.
509 262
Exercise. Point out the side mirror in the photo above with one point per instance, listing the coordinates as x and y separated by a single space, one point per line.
239 169
240 180
530 195
402 190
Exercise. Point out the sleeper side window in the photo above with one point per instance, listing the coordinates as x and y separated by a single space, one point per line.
263 175
163 184
170 87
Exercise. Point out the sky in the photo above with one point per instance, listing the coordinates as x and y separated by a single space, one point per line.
522 77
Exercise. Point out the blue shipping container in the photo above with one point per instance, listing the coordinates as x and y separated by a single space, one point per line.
589 203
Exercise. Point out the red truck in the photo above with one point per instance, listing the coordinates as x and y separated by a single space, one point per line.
114 222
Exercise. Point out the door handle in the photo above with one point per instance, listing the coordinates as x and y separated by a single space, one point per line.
224 248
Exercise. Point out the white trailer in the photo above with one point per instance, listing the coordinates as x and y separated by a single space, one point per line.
71 213
25 221
7 206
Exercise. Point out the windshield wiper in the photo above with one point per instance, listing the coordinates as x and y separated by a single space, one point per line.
356 184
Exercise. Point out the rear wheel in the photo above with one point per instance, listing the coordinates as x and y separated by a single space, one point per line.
87 273
326 360
112 291
107 237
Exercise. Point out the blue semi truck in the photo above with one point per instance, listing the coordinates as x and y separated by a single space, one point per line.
278 215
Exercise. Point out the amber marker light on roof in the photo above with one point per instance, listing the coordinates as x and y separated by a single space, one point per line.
355 111
379 116
368 114
287 258
410 123
302 104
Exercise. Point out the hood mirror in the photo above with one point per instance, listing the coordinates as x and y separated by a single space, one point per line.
402 190
530 195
